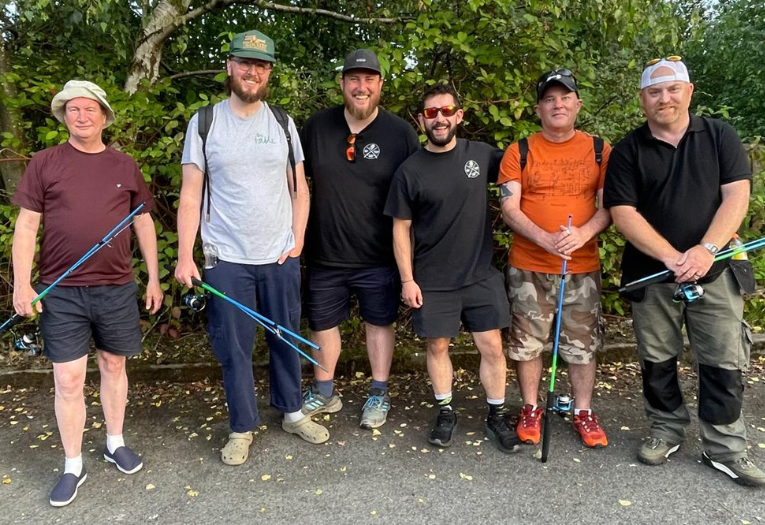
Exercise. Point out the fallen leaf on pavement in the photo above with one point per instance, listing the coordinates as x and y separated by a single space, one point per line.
625 503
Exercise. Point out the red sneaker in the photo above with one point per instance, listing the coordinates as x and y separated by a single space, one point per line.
592 434
528 427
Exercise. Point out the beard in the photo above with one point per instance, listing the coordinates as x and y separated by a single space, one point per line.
440 142
248 97
364 112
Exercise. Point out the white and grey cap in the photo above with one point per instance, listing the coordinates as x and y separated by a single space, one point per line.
672 71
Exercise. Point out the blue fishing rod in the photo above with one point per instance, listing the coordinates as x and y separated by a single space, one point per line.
276 329
123 224
724 254
550 409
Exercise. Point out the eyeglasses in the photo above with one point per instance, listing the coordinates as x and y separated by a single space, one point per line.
673 58
245 65
447 111
350 151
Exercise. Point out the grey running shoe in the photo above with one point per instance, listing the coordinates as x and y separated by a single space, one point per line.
375 410
742 470
314 403
655 451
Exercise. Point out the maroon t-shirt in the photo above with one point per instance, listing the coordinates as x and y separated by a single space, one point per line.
82 197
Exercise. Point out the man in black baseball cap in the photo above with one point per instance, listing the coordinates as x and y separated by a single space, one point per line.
564 77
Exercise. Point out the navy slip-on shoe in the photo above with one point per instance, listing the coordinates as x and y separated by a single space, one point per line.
127 461
66 489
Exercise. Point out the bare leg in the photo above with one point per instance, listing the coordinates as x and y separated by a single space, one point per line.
114 387
493 363
380 343
70 403
529 375
331 345
440 365
582 383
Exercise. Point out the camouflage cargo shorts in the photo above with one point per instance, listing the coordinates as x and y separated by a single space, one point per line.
533 297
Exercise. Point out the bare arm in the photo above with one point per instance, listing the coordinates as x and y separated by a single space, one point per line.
402 249
522 225
188 223
589 230
300 208
23 252
147 243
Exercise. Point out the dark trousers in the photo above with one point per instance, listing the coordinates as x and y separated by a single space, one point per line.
272 290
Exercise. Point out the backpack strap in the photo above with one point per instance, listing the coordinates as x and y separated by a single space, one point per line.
204 122
597 143
283 120
523 149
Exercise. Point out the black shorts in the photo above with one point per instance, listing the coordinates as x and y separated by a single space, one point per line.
72 314
481 307
329 289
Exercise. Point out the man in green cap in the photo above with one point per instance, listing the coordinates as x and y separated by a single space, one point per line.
252 236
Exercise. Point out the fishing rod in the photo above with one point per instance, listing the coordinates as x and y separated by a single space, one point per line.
276 329
123 224
724 254
550 410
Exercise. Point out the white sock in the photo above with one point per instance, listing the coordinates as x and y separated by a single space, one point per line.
498 401
577 410
73 466
293 417
114 442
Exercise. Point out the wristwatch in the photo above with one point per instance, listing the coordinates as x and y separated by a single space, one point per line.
711 248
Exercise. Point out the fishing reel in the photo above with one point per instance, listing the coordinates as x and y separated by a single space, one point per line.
31 342
563 404
195 302
688 293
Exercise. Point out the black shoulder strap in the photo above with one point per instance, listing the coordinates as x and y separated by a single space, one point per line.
204 122
597 143
523 149
283 119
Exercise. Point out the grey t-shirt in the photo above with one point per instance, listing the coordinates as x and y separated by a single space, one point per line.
251 208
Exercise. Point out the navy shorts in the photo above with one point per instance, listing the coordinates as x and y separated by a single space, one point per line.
481 307
72 314
329 289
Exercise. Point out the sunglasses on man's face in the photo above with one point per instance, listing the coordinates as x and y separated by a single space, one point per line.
447 111
673 58
350 151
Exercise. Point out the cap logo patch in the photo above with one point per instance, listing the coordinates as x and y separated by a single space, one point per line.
253 42
361 60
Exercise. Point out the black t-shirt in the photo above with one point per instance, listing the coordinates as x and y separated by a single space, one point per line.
346 226
445 196
677 190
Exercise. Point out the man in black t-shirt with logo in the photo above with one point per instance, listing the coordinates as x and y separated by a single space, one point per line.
351 153
678 188
439 197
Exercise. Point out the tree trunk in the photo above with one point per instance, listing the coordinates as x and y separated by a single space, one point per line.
11 167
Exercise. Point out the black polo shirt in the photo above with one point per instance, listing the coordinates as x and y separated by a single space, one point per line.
346 226
677 190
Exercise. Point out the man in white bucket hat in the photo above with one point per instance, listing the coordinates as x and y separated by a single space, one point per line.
81 190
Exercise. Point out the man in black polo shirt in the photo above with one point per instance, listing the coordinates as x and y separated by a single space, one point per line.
678 188
351 153
439 195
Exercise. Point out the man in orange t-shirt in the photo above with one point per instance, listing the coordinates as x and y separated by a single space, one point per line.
563 175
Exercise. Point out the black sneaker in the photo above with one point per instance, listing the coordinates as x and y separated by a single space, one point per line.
742 470
500 432
127 461
66 489
443 431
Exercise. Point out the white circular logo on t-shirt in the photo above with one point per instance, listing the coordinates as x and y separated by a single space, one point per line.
371 151
471 169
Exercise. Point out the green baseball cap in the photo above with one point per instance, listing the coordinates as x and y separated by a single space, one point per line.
252 44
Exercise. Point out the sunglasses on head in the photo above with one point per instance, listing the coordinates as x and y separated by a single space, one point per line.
673 58
447 111
556 73
350 151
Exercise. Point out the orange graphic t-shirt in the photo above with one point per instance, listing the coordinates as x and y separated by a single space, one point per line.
560 179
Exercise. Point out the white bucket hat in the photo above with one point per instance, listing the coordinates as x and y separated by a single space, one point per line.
80 89
679 72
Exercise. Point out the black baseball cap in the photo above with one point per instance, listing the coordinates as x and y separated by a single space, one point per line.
564 77
362 59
